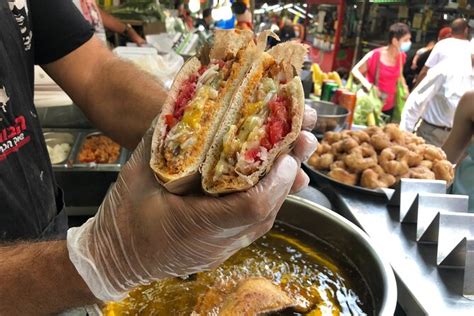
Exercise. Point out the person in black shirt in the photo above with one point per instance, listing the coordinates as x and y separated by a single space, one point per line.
206 20
140 233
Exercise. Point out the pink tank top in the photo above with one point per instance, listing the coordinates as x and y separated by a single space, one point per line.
388 76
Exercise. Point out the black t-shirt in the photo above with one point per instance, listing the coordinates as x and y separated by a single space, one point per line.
31 32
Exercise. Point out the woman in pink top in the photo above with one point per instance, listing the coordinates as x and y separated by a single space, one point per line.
383 66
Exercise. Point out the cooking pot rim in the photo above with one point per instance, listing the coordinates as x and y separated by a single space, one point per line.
390 287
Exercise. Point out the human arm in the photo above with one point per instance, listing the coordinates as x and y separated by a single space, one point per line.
39 279
415 61
113 24
421 75
463 129
115 95
360 69
142 233
418 98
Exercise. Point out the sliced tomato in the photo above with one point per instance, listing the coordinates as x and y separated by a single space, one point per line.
170 120
279 122
277 130
202 70
186 93
251 154
265 142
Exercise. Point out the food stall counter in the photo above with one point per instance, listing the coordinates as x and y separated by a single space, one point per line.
423 288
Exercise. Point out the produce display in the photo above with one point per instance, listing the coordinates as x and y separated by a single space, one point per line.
99 149
319 76
59 152
379 157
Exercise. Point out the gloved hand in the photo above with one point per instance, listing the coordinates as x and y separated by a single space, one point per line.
143 233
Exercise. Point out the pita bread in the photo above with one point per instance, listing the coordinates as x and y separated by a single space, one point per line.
237 44
293 89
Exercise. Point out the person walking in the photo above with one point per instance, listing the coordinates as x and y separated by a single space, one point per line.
382 67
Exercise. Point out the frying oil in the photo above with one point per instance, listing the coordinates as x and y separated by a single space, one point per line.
307 269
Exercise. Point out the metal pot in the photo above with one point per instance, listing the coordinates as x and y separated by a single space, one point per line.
346 237
331 117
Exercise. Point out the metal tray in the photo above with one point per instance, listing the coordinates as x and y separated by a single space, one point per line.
115 166
53 138
316 175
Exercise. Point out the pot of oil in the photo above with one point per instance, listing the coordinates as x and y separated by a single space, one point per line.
313 262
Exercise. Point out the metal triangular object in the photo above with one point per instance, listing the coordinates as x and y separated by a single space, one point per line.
427 205
452 229
410 188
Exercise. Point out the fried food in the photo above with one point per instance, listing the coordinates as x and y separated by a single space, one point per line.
99 149
349 143
379 157
255 296
323 148
413 139
443 170
395 133
338 164
344 176
420 172
361 158
376 177
427 164
433 153
372 130
360 136
392 160
337 148
321 162
380 141
332 137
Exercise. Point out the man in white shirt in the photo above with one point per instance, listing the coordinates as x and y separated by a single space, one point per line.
454 48
435 99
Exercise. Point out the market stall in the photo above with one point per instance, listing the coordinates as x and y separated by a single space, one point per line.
347 245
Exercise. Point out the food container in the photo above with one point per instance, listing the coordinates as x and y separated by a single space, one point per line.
351 242
93 165
331 117
54 142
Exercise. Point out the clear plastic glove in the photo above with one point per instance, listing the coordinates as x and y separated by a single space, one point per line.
143 233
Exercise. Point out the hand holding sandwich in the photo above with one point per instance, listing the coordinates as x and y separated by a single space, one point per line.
143 233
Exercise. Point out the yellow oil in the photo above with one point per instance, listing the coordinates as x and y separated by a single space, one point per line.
302 266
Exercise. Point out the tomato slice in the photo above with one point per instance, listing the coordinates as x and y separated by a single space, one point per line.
170 120
252 154
279 122
277 130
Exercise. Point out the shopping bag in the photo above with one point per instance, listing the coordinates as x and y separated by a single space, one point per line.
400 98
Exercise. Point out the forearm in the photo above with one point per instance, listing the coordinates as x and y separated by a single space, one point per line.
463 129
116 96
127 102
421 75
111 23
361 78
39 279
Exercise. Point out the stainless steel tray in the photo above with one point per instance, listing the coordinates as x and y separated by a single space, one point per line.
115 166
71 164
53 138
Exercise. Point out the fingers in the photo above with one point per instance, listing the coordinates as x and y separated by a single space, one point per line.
258 203
309 119
301 182
305 146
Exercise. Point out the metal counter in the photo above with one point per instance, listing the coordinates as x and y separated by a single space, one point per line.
423 288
